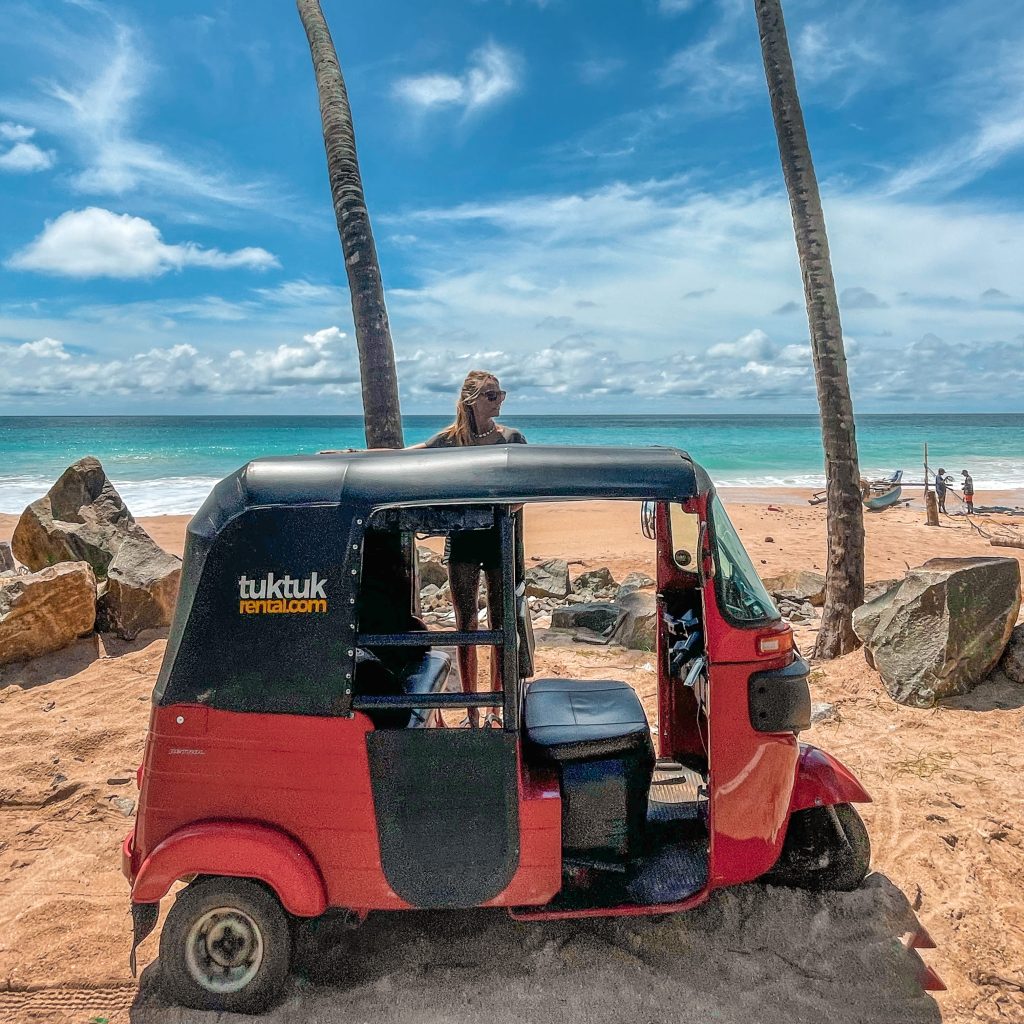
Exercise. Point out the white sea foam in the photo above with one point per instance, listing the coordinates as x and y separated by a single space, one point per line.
171 496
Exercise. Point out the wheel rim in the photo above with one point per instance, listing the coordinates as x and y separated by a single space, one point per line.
224 950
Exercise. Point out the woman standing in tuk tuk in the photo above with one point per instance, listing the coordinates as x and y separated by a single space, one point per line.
471 552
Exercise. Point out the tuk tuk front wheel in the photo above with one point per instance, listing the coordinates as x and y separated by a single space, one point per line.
226 945
827 849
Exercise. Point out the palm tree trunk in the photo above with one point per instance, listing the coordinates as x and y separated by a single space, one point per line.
382 416
844 577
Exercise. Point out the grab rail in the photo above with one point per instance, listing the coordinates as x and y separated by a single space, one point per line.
402 701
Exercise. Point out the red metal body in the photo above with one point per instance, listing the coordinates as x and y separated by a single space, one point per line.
287 799
216 784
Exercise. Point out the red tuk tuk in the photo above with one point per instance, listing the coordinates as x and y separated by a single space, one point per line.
297 763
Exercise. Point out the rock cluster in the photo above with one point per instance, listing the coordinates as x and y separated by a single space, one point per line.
798 593
85 563
593 604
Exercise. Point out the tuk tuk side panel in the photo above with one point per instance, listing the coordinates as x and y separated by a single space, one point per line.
307 776
271 621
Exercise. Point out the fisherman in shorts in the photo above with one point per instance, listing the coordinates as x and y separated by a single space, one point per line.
968 491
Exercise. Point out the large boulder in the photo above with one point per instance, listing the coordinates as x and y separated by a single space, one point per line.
142 586
81 518
944 629
1012 662
867 617
797 585
599 617
46 610
548 579
640 622
432 572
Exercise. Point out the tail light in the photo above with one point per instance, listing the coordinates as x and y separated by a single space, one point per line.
772 644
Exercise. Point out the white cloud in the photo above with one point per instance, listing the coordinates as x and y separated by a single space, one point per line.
492 75
318 362
98 243
11 132
968 158
25 158
43 348
713 76
92 107
675 6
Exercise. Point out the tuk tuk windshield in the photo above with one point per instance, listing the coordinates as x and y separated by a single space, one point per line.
741 594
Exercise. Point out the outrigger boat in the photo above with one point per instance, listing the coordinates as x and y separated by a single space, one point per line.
877 494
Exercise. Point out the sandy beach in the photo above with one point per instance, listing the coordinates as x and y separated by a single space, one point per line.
946 824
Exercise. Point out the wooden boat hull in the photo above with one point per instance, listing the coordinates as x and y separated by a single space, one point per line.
884 500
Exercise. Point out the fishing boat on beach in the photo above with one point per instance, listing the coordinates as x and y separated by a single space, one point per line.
876 494
879 494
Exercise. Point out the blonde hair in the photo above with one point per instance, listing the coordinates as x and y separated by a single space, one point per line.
462 430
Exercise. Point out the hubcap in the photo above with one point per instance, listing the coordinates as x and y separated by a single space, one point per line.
224 950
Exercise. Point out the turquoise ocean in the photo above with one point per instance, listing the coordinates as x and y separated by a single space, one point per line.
168 464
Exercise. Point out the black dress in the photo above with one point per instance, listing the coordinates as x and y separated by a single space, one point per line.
481 548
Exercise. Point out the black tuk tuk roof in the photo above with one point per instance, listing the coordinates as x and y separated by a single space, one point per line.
484 473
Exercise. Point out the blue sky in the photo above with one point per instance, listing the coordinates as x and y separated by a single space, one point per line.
582 195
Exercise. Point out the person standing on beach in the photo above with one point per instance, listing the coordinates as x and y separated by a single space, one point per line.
941 480
472 552
968 491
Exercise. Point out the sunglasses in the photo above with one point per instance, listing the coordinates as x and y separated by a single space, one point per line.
493 396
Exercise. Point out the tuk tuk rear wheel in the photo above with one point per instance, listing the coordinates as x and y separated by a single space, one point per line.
815 857
226 945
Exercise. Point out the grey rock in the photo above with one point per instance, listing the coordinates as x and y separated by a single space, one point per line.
1012 662
142 586
45 611
797 585
6 557
945 628
639 626
124 804
640 579
807 610
596 617
81 518
878 588
548 579
594 580
822 712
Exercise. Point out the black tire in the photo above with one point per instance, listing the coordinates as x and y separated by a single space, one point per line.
813 856
228 925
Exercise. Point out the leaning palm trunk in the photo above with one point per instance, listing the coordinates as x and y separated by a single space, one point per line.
381 414
844 578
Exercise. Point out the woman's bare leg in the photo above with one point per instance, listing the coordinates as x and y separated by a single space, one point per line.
464 579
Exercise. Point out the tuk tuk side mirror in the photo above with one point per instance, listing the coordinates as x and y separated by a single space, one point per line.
648 512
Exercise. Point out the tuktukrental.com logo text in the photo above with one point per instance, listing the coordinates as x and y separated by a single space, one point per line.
270 595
